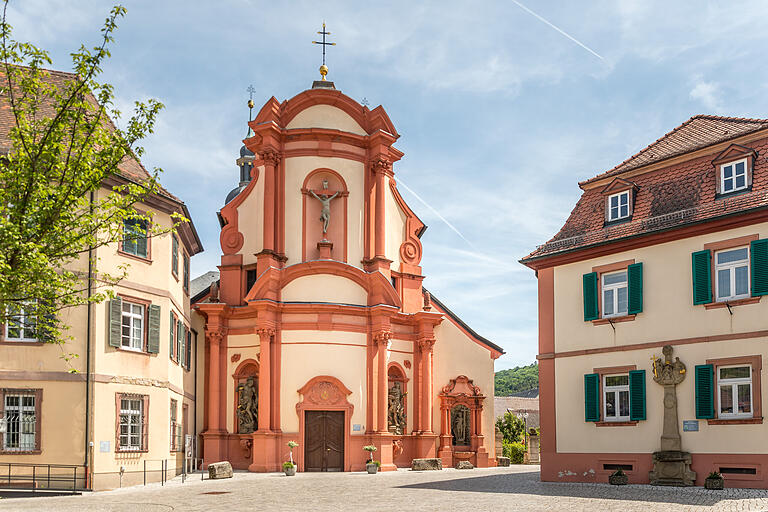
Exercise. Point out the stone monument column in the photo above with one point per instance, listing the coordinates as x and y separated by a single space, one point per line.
671 465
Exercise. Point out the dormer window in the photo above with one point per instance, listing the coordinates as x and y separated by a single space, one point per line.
733 176
618 206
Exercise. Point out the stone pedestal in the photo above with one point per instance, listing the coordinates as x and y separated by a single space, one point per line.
325 246
672 468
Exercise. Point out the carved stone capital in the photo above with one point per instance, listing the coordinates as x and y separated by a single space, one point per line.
270 156
381 165
265 334
216 335
382 337
426 344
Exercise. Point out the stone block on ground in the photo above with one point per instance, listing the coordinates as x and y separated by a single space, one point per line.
502 461
464 464
217 470
426 464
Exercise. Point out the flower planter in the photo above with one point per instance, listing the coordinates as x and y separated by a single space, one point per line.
714 483
371 468
618 479
290 471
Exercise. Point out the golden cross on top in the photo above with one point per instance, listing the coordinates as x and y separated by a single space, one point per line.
324 68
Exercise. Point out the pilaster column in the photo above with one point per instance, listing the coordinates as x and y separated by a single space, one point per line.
380 169
426 344
271 159
382 340
214 337
265 340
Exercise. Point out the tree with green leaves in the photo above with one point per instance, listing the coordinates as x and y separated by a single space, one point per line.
512 427
515 380
66 186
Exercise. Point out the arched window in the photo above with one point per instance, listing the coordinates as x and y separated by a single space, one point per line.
246 381
397 409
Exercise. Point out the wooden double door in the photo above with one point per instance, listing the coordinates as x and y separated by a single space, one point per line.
324 441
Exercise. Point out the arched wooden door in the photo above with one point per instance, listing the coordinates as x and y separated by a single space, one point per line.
324 441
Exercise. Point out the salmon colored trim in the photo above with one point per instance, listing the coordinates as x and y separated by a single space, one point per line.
615 423
756 362
704 227
230 238
733 303
655 344
495 354
317 398
612 370
613 319
317 326
731 242
604 269
359 345
410 249
613 267
736 421
304 196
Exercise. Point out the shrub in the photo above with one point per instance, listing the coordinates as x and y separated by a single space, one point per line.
515 452
378 463
714 475
511 426
288 465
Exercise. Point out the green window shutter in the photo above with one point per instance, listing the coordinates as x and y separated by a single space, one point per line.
115 308
635 291
705 391
153 338
592 397
175 255
188 360
590 297
759 260
702 277
637 395
173 335
179 338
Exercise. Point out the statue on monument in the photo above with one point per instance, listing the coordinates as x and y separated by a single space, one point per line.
396 410
460 425
247 406
325 201
671 465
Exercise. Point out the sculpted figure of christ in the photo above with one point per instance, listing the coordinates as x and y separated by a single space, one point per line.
325 213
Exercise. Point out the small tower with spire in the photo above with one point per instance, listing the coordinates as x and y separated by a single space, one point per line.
245 162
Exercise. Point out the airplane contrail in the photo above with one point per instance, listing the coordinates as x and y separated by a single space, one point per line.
406 187
590 50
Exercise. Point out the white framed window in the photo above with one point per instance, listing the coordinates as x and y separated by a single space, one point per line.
733 176
618 206
734 396
19 422
21 324
133 326
616 397
131 435
732 274
615 294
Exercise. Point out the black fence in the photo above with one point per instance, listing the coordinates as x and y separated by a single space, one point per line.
39 477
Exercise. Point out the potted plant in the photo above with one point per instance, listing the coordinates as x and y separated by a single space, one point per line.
714 481
372 466
290 467
618 477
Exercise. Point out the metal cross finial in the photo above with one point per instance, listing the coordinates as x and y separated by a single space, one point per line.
323 68
364 102
250 90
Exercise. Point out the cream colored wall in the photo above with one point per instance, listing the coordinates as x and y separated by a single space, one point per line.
325 116
395 220
306 354
324 288
250 220
353 172
668 310
456 354
576 435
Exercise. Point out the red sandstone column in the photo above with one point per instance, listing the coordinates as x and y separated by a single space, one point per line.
271 159
381 339
265 338
380 168
214 385
426 376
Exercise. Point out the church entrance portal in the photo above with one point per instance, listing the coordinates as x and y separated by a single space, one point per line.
324 441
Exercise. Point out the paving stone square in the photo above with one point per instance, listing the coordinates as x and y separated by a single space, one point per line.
513 488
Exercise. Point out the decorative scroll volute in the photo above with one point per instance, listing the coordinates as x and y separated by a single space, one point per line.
324 391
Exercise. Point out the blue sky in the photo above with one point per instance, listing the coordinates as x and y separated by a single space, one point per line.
500 113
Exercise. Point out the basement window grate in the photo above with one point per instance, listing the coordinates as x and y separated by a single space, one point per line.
616 467
738 471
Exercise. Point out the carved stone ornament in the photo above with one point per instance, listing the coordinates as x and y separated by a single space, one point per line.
396 410
381 165
426 344
235 358
325 393
216 335
460 425
270 156
247 406
245 445
382 337
671 465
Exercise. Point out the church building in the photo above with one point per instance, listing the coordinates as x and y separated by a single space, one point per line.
317 327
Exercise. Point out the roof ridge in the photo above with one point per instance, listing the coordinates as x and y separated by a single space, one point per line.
730 118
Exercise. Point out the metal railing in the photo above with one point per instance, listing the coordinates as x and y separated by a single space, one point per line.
36 477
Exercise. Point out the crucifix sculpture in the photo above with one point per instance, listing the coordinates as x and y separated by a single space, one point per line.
325 201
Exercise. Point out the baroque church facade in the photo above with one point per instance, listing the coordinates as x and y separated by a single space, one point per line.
317 327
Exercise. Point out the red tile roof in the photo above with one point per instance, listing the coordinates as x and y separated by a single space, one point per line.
130 168
667 197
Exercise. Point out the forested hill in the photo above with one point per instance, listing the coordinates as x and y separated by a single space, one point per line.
517 379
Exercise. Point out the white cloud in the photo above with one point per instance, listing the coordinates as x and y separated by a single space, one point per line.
709 94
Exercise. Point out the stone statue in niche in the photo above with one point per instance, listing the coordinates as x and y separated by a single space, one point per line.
460 425
325 201
247 406
396 410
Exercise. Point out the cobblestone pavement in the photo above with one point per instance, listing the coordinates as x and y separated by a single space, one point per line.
515 488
